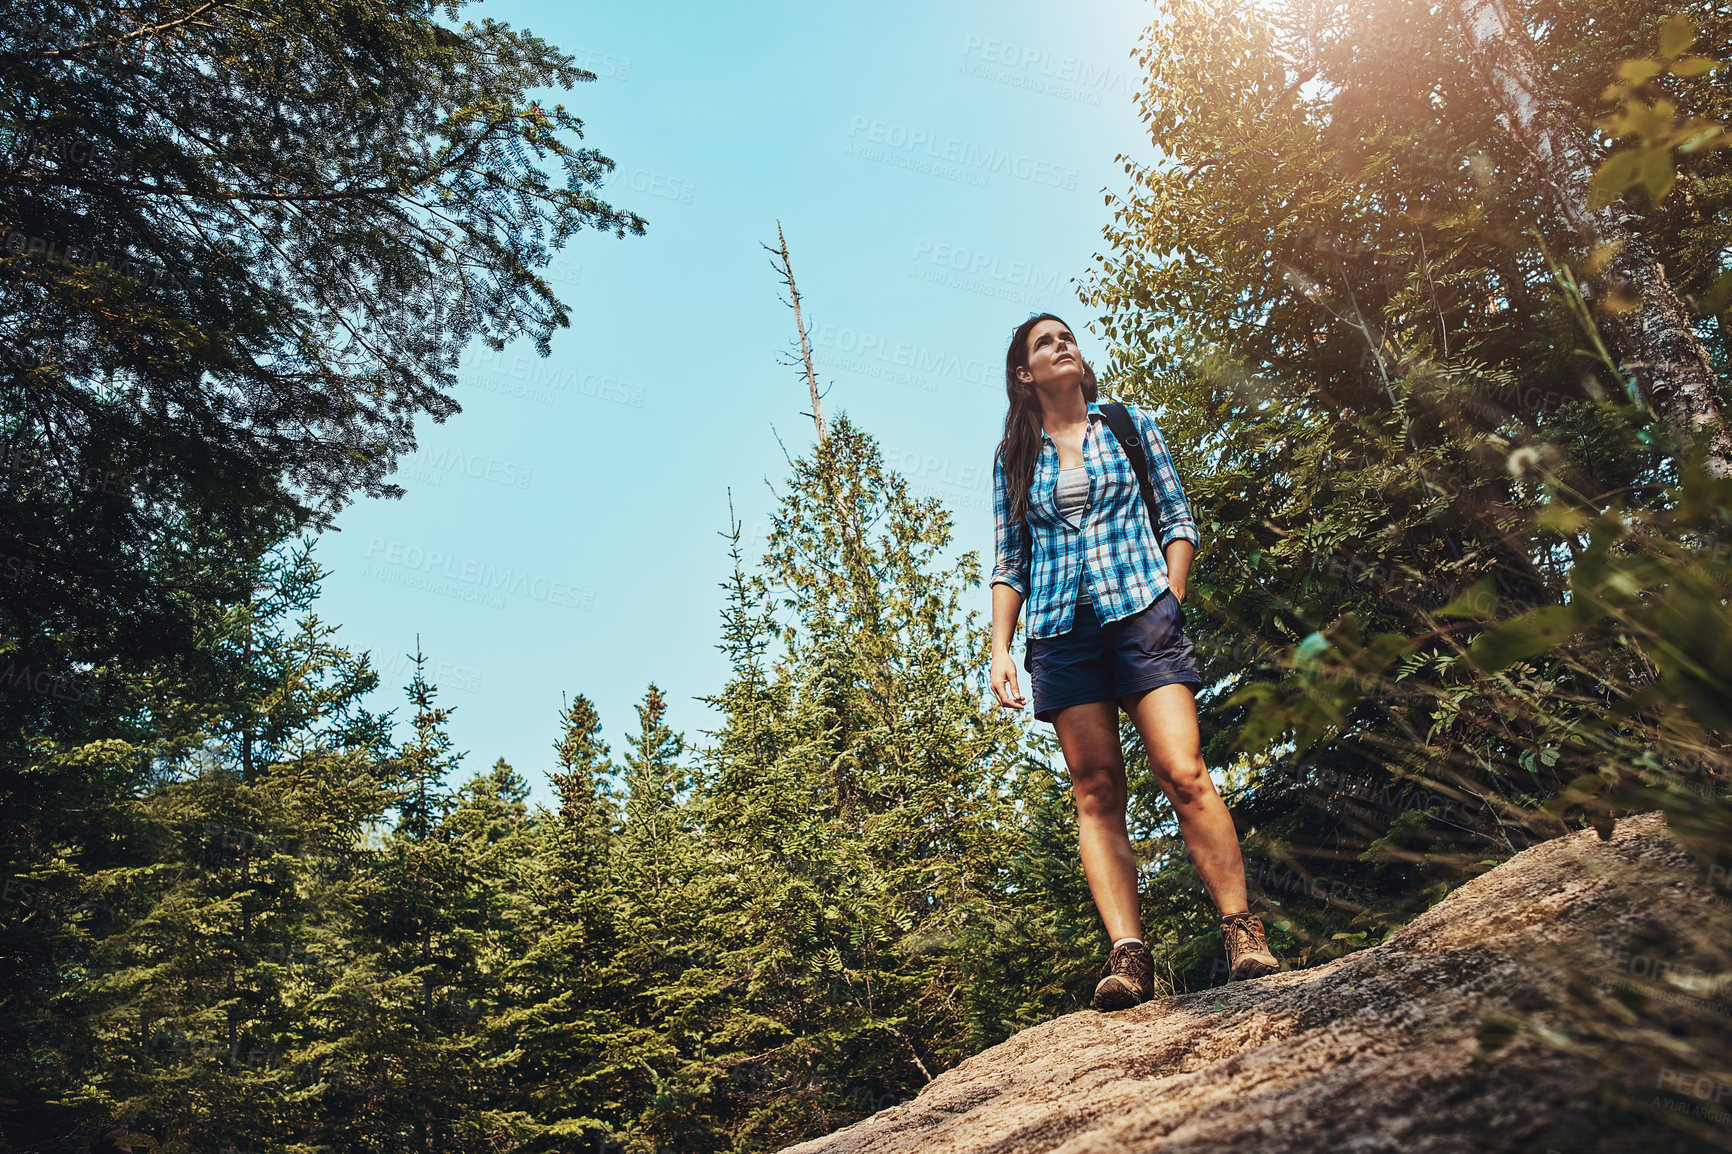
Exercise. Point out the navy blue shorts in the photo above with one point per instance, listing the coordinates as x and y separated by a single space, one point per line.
1103 663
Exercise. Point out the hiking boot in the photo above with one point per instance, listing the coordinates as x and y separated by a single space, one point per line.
1248 953
1129 980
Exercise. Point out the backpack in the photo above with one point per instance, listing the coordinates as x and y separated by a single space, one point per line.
1118 419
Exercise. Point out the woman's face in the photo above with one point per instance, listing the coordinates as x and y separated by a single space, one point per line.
1053 359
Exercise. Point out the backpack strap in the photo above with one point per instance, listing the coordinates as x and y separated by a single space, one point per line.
1118 419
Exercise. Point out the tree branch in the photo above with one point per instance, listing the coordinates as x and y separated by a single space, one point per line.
148 30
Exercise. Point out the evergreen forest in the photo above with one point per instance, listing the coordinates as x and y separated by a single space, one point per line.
1445 385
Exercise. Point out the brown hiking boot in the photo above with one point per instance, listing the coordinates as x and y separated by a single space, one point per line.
1129 980
1248 953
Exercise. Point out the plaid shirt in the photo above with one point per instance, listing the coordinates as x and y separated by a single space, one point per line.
1115 551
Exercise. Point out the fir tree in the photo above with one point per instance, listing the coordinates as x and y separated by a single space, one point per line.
585 806
652 840
425 761
582 1046
1034 951
201 935
402 1008
215 230
852 808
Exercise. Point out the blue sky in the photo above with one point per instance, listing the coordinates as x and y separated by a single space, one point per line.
939 171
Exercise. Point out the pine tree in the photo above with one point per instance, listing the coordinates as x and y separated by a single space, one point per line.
583 1043
1034 950
498 840
852 812
1426 478
121 463
652 853
1667 361
202 932
1344 416
402 1012
585 806
425 761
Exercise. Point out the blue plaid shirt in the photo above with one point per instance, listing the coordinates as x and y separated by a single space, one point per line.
1114 552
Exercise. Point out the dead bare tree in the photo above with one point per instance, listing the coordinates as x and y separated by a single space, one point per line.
853 549
785 269
1650 331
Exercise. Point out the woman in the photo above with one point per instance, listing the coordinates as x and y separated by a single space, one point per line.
1105 631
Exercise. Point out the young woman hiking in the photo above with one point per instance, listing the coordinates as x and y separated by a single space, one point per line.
1073 537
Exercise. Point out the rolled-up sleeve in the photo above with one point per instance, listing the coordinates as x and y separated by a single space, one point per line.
1010 537
1172 510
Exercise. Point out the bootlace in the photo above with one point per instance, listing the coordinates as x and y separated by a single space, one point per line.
1127 960
1245 933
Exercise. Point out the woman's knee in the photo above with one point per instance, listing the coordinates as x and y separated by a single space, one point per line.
1187 783
1100 790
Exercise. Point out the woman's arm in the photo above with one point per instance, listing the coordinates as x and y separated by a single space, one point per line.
1171 508
1009 587
1179 553
1006 604
1010 537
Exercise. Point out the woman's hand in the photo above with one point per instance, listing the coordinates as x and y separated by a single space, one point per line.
1006 605
1179 552
1004 681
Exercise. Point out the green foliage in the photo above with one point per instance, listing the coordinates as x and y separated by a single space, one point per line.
240 252
1653 119
1034 949
1453 598
851 814
184 922
840 893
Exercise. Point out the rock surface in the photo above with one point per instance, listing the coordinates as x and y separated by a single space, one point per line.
1394 1048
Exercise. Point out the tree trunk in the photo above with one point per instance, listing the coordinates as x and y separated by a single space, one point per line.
787 271
1653 340
852 548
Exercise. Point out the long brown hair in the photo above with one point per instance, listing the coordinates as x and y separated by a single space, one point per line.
1022 422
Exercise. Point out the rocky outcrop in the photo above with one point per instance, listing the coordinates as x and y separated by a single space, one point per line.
1453 1035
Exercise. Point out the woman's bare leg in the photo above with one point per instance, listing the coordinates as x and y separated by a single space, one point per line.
1167 719
1089 736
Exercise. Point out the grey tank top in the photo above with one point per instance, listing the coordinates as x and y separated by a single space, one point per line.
1072 493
